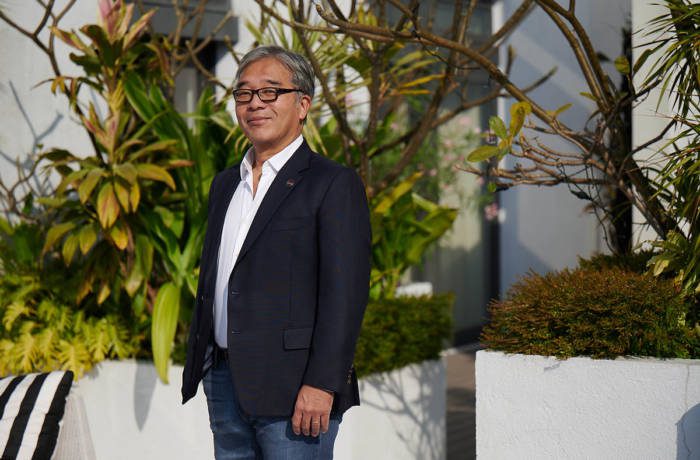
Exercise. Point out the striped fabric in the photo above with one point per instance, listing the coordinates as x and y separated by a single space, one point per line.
31 407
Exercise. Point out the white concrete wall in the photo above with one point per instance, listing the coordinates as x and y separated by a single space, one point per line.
133 415
402 416
547 228
535 407
31 115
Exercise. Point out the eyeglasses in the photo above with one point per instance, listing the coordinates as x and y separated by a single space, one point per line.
267 94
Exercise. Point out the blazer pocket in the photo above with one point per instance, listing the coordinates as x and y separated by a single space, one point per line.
297 339
292 224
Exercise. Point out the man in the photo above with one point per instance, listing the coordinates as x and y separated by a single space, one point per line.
283 281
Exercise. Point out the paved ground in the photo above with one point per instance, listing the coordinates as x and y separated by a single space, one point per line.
461 425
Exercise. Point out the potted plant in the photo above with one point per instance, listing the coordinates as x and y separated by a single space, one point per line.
602 360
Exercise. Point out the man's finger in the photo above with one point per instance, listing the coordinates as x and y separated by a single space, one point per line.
315 427
296 422
324 423
306 424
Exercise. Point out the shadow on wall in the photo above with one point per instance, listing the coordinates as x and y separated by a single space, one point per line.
414 404
24 160
688 435
144 386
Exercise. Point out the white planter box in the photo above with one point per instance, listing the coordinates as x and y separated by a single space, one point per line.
402 416
131 414
543 408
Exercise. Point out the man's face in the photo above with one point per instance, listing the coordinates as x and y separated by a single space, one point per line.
270 126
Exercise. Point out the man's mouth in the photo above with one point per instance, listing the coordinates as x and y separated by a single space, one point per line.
257 121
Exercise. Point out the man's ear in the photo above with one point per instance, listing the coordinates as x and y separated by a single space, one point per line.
303 107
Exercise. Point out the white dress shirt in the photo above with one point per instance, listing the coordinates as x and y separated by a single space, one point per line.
239 216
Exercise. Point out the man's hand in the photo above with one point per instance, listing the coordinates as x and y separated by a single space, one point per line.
312 411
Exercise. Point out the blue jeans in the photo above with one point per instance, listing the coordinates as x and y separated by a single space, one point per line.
238 436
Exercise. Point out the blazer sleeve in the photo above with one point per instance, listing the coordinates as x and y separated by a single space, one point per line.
344 245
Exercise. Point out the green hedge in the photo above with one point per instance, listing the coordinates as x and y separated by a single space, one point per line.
397 332
601 313
634 261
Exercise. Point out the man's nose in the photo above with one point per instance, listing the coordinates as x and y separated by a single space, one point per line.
256 102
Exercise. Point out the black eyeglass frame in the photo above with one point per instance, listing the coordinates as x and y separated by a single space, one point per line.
256 92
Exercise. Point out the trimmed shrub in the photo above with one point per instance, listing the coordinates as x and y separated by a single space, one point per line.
635 261
404 330
598 313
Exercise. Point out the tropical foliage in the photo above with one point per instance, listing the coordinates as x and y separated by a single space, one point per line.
367 100
404 224
127 218
41 329
677 70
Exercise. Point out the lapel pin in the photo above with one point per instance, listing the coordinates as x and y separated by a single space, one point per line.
290 183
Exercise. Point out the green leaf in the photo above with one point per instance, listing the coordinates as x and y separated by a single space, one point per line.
122 194
154 147
107 206
482 153
498 127
126 171
137 28
87 237
74 355
119 236
165 312
71 39
55 233
153 172
134 196
143 263
59 156
388 199
518 112
5 227
103 293
642 59
134 90
622 65
70 245
88 184
560 110
13 311
69 179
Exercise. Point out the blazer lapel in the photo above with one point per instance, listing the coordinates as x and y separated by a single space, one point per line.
287 178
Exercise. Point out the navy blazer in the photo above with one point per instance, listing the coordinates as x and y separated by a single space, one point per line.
297 292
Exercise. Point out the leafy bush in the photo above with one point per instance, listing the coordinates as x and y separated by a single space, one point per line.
601 313
404 225
403 330
41 330
636 262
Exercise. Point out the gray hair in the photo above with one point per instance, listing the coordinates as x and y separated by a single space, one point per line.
301 70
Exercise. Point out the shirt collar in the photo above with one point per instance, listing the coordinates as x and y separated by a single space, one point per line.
276 161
